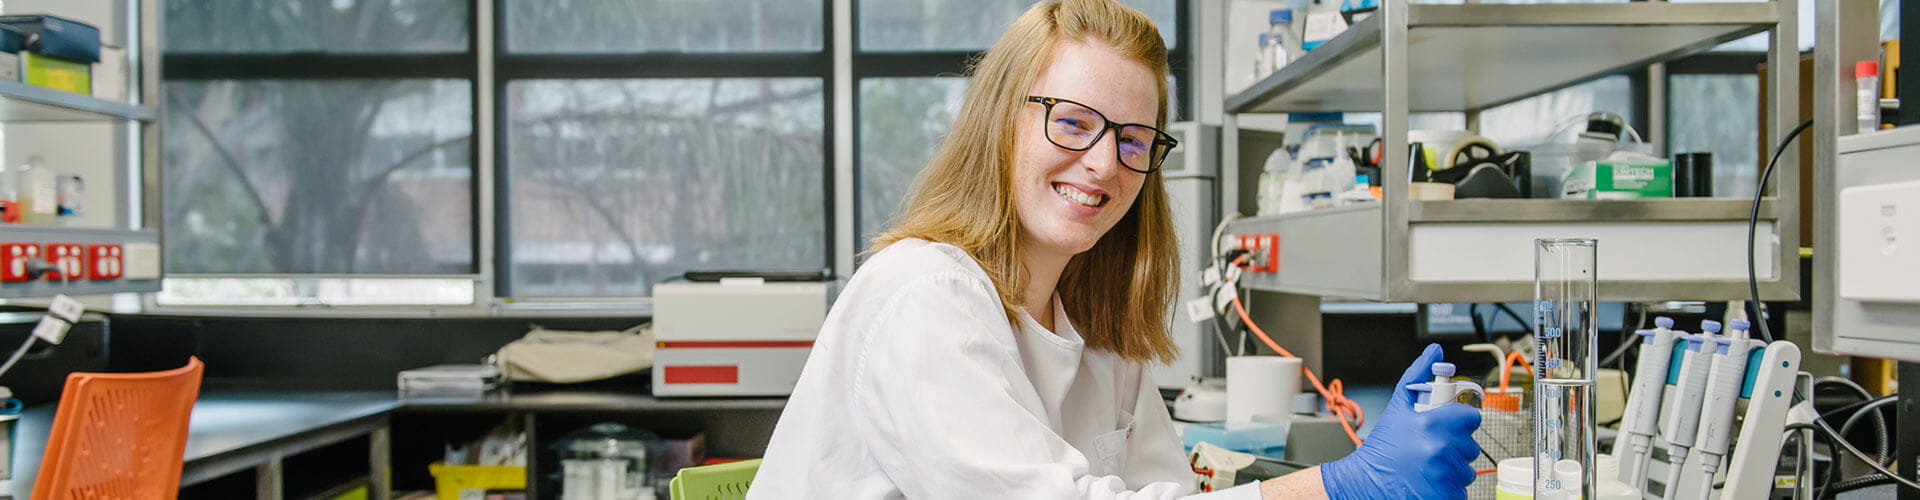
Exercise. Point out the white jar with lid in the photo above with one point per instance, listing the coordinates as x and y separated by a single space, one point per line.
1516 479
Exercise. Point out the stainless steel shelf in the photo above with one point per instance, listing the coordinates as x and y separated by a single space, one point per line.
1551 210
20 102
1471 57
1341 251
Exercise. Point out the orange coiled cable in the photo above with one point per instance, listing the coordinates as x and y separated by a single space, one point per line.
1506 367
1351 416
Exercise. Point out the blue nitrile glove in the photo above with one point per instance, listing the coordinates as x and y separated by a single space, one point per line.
1410 454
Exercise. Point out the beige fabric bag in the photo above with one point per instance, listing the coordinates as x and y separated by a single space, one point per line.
565 357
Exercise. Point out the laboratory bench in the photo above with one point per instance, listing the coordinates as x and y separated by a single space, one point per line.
315 444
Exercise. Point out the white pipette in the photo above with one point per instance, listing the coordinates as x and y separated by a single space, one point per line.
1642 418
1443 390
1683 416
1730 357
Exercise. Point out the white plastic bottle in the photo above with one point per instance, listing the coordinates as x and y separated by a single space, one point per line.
1284 36
39 191
1866 74
10 192
1263 63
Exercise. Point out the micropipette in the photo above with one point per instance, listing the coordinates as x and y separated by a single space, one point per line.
1642 417
1442 390
1683 419
1730 357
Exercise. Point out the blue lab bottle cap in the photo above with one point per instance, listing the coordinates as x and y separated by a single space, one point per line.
1739 324
1443 369
1709 326
1280 16
1663 322
1646 336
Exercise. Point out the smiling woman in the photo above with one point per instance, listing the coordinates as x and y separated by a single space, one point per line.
1031 265
994 345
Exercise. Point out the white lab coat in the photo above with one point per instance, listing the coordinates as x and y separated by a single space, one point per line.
919 388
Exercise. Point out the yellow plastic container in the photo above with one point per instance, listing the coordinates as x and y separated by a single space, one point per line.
449 480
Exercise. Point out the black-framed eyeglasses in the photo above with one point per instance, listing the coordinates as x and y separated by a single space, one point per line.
1077 127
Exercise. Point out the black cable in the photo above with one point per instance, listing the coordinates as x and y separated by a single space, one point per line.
1820 426
1852 406
1872 407
1753 224
1479 328
1867 481
1830 380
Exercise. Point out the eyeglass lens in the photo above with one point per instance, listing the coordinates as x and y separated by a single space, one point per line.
1078 127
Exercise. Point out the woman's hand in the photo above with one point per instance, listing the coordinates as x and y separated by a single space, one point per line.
1410 454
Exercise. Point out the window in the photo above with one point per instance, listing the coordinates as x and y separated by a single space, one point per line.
961 25
328 154
332 138
619 184
1550 117
646 139
1719 114
909 63
901 121
653 26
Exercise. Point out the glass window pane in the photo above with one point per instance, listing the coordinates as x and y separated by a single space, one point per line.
630 26
1758 42
1536 119
963 25
901 122
615 185
352 26
334 176
1719 114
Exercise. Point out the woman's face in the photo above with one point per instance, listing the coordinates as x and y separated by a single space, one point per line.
1067 200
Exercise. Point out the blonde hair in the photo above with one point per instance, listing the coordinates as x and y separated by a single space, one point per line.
1117 292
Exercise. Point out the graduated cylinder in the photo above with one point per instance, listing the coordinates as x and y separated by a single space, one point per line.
1564 367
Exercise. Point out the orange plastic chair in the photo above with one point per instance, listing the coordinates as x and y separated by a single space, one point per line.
119 435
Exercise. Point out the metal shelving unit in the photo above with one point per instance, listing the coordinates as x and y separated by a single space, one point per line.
20 102
1417 58
136 142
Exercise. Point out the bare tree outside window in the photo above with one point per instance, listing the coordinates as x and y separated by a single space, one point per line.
637 26
620 184
939 25
317 176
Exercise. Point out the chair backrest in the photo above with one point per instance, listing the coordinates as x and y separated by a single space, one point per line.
119 435
727 481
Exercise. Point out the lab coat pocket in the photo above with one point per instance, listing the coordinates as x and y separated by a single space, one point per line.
1111 451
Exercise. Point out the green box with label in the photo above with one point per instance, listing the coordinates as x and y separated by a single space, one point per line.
1630 179
57 74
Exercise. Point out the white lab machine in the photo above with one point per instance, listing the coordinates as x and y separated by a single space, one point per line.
734 337
1870 214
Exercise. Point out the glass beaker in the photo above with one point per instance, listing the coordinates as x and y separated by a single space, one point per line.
1564 290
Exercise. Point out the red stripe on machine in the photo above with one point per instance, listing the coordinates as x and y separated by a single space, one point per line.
744 344
727 374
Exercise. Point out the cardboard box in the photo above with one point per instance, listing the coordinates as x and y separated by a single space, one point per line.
110 74
10 66
39 70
